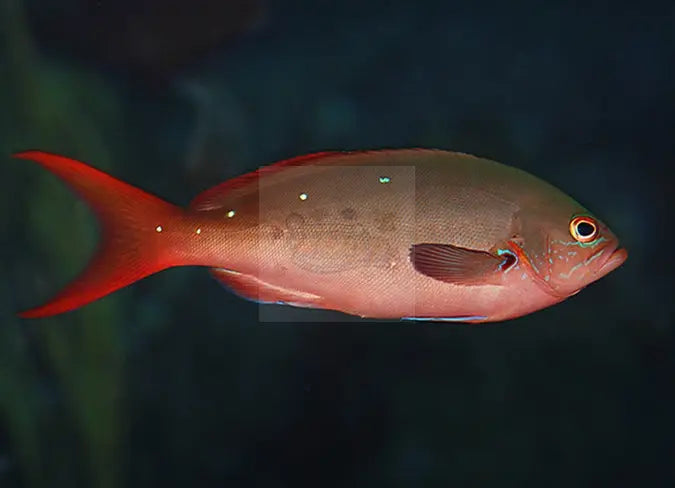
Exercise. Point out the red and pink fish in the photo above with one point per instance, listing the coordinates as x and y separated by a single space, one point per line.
412 233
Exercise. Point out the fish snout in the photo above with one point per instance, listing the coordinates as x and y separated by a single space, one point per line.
614 260
610 257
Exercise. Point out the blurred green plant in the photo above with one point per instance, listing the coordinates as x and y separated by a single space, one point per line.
47 106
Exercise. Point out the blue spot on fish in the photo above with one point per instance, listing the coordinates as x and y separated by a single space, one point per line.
468 318
509 260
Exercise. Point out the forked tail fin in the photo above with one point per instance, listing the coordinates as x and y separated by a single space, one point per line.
132 242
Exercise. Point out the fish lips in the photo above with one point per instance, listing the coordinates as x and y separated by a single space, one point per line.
614 257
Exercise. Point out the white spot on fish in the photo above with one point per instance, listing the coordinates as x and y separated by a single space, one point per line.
198 231
523 276
230 214
303 196
385 179
547 278
159 228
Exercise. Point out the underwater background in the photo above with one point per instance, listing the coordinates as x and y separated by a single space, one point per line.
175 382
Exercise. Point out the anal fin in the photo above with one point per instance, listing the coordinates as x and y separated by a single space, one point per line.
257 290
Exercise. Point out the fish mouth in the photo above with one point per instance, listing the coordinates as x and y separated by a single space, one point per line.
612 260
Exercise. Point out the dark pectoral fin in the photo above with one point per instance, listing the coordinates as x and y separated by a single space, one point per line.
459 265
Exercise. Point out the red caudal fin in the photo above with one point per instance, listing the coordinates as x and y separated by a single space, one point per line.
132 244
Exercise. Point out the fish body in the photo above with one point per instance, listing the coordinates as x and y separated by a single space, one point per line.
411 233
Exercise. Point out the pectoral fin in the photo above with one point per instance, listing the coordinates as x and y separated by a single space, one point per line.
458 265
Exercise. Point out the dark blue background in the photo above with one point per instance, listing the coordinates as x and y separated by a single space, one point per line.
175 382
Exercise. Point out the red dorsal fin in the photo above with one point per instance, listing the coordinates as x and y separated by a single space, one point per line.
209 199
132 244
214 198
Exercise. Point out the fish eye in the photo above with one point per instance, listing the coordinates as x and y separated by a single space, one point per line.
583 229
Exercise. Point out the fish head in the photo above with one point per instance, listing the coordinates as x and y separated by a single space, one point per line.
567 248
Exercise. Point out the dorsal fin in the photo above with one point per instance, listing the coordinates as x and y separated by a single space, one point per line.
212 198
208 199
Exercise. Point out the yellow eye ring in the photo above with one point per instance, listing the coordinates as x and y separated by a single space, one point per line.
583 229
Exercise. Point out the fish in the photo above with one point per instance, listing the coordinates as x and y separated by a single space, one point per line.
400 234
